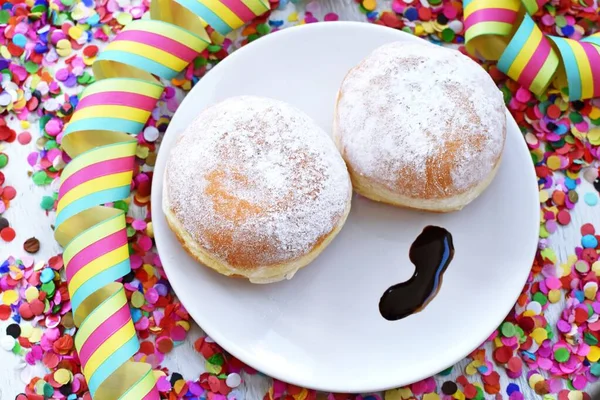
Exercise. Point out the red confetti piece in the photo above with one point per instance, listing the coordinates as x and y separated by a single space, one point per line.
8 234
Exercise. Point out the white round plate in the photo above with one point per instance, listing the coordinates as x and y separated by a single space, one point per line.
323 329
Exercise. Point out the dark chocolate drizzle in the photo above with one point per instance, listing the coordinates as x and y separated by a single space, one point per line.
431 253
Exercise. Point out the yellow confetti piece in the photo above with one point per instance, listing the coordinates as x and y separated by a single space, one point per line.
137 299
36 335
26 329
594 354
63 376
594 113
419 30
124 18
5 53
405 392
539 335
458 395
393 394
10 297
554 296
470 369
553 163
590 290
75 32
31 293
293 17
212 368
549 254
302 395
596 268
594 136
544 196
575 395
25 124
369 5
63 47
535 378
178 386
428 27
142 152
150 229
39 266
434 396
149 269
184 324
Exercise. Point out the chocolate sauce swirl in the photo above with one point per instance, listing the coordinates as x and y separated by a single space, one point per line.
431 253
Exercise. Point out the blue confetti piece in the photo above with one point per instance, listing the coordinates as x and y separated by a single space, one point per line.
512 387
570 183
276 23
591 199
561 130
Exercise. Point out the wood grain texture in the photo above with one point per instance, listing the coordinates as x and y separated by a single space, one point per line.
30 220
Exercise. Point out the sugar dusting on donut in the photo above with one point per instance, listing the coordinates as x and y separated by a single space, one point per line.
256 182
421 119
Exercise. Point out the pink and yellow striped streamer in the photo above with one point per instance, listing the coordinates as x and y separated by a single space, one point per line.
503 30
98 140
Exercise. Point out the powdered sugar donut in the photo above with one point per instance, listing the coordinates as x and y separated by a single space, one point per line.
420 126
255 188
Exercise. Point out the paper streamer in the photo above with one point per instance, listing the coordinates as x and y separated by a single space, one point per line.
503 30
98 139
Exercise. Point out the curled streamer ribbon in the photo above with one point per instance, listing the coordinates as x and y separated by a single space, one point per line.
503 30
98 139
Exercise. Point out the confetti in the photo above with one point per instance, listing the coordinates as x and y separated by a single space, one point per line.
563 139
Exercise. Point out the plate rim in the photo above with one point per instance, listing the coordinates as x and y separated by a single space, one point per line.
237 351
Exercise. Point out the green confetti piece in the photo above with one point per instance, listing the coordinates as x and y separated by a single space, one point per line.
49 288
51 144
562 354
4 16
447 371
263 29
216 359
507 94
39 9
540 298
214 48
31 67
479 395
200 62
16 348
3 160
595 369
575 117
84 78
590 339
448 35
40 178
48 390
252 37
121 205
47 203
508 330
130 231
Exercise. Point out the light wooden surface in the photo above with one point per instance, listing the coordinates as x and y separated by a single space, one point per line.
30 220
